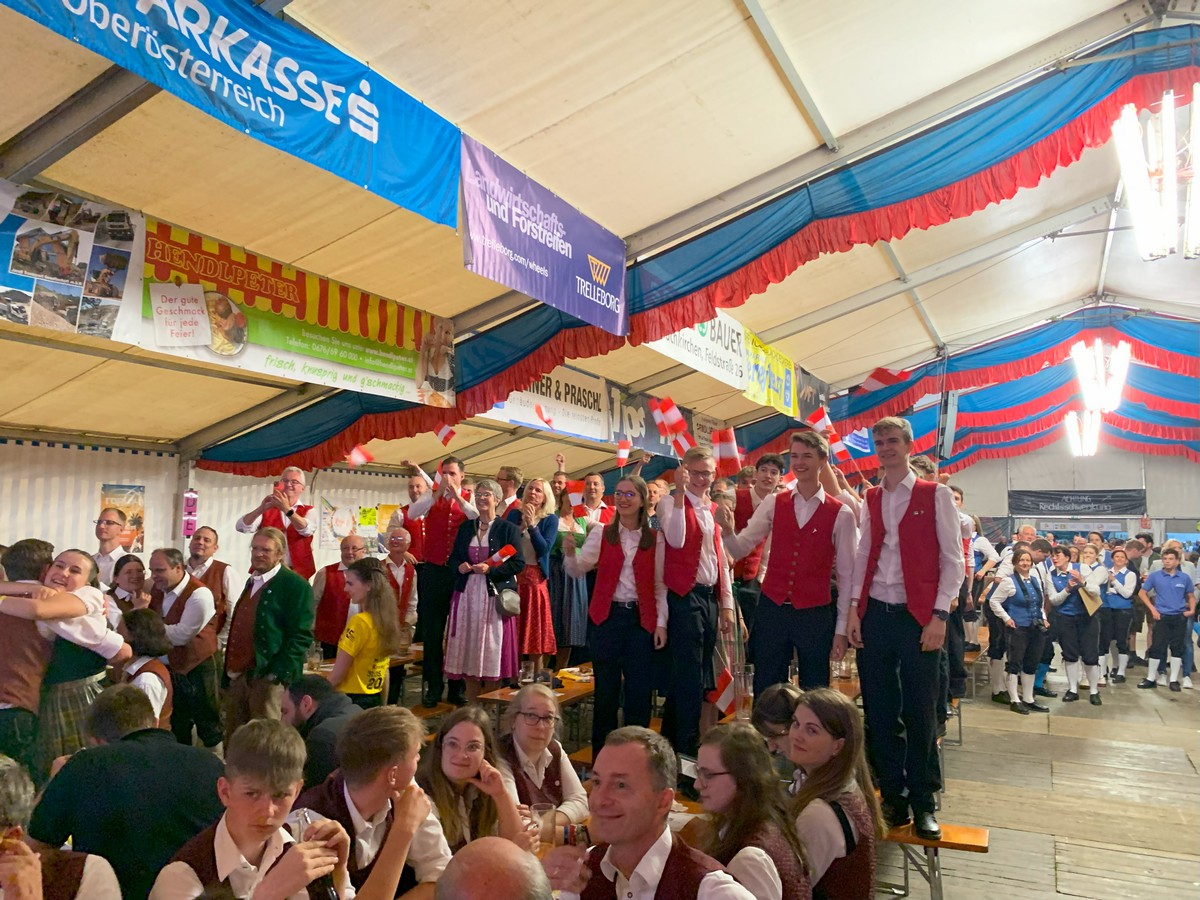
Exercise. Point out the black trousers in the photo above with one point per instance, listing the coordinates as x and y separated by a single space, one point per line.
955 639
622 656
784 629
1079 638
435 586
19 740
367 701
1170 633
691 638
748 595
1024 650
997 633
899 691
196 705
1114 626
1051 639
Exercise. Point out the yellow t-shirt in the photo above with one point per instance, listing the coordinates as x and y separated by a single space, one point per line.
369 668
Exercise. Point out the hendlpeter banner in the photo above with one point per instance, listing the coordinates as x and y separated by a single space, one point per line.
525 237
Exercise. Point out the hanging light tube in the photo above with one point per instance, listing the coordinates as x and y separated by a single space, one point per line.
1169 184
1191 233
1071 424
1118 370
1091 432
1135 175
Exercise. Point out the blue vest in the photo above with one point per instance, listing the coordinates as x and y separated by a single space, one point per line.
1073 605
1025 606
978 560
1113 600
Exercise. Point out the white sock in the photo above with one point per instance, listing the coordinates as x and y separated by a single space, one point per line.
972 632
1013 696
1027 688
1073 670
1122 662
1093 674
1176 666
1152 669
996 675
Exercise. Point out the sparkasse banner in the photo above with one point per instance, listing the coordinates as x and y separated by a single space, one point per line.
527 238
278 84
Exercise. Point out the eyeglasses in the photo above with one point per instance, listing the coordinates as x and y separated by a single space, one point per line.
702 473
706 776
106 522
625 495
292 482
532 718
776 735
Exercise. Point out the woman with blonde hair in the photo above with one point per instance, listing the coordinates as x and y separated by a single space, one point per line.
371 636
836 811
568 594
532 756
538 524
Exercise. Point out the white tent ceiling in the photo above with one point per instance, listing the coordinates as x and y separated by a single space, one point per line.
654 119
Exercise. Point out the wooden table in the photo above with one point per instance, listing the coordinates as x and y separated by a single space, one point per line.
570 696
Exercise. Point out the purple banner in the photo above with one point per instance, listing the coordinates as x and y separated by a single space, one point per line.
525 237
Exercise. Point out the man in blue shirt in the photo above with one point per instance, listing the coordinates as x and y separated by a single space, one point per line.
1174 601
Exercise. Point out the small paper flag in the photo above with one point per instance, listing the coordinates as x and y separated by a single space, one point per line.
445 434
359 456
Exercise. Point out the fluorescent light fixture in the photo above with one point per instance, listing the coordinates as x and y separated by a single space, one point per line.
1083 432
1101 381
1118 369
1191 234
1169 185
1071 424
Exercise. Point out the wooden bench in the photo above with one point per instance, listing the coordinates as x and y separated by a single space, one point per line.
964 838
442 709
582 757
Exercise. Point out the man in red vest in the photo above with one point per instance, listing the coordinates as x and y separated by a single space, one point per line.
908 569
593 508
330 598
751 566
510 479
697 579
443 510
813 538
282 509
191 616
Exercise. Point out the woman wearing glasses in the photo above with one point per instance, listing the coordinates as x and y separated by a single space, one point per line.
628 611
750 831
532 756
835 807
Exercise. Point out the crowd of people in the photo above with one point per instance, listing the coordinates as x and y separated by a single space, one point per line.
186 738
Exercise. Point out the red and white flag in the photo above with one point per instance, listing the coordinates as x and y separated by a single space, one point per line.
881 378
445 434
726 453
359 456
789 479
673 419
623 448
819 420
682 443
503 555
656 414
437 477
724 697
837 447
542 414
575 492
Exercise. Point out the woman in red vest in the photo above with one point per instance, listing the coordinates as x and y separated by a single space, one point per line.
628 611
837 812
535 760
750 831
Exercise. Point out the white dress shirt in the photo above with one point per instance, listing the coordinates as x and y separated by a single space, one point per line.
105 562
90 630
821 835
310 528
757 873
643 882
179 881
464 818
672 520
888 584
845 540
588 557
1006 589
200 608
1122 583
114 615
980 544
232 593
421 506
99 881
150 685
575 799
593 515
398 573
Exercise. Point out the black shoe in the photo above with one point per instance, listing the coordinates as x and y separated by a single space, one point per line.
1135 660
895 813
1095 700
1147 683
1001 698
1070 697
926 826
1042 692
1175 687
971 648
457 698
1019 708
1036 707
1052 669
941 729
430 698
1118 679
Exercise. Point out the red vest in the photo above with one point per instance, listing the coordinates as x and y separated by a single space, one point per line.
24 656
203 645
680 880
239 649
966 556
441 527
416 531
680 564
333 607
746 568
581 511
159 671
919 553
403 593
201 856
299 546
608 573
801 559
214 580
792 876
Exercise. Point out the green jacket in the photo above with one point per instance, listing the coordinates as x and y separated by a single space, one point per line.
283 627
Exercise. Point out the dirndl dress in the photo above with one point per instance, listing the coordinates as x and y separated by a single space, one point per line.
535 628
480 643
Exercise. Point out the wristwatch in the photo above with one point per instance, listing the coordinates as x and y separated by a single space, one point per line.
291 512
941 614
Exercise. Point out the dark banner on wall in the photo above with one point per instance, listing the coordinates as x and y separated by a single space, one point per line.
1077 503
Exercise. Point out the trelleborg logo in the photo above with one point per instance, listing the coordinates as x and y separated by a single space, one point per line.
600 270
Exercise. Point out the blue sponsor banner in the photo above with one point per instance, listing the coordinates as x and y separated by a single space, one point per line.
278 84
525 237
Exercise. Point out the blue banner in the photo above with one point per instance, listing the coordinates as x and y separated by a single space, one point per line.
525 237
278 84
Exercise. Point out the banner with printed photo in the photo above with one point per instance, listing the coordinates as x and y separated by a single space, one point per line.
715 348
770 376
564 401
131 500
527 238
633 421
210 301
811 393
278 84
383 518
337 522
66 263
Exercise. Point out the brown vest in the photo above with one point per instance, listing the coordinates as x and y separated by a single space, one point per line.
680 880
163 674
185 658
239 650
24 656
852 877
214 580
62 873
201 854
792 875
529 793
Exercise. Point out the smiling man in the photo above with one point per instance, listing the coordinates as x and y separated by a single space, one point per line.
282 509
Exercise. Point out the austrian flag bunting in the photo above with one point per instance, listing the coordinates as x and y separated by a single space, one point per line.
881 378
